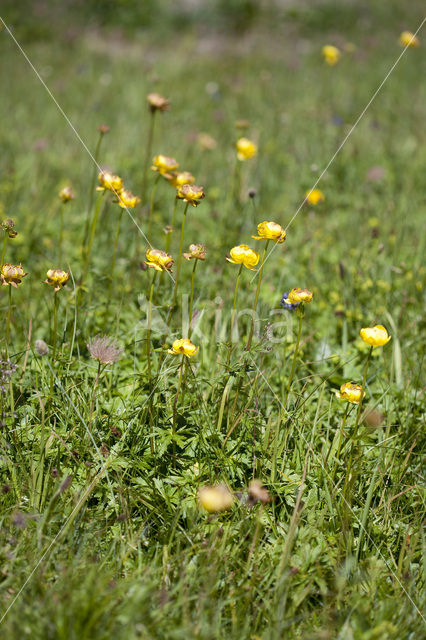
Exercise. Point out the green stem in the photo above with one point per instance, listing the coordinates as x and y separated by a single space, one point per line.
175 290
172 224
9 311
234 305
61 233
293 366
148 357
91 237
256 299
175 406
92 401
92 187
357 421
3 253
191 299
339 447
112 267
148 154
55 325
151 206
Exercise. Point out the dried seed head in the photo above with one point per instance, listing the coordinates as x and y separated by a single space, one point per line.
41 347
104 349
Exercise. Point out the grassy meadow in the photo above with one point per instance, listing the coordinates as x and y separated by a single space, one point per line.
150 490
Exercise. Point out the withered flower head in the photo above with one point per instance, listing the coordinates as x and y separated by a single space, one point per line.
12 274
8 226
206 142
104 349
157 102
66 194
57 278
196 252
190 193
258 493
103 128
41 347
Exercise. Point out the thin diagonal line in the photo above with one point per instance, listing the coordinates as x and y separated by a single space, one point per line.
351 130
74 129
346 502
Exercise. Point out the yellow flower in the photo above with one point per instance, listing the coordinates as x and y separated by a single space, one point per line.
215 498
296 296
196 252
57 278
242 254
66 194
351 392
270 231
127 200
331 54
184 347
375 336
246 149
314 196
109 181
179 178
12 274
159 260
408 39
190 193
164 164
157 102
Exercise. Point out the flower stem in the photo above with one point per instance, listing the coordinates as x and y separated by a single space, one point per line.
234 304
357 421
92 187
9 311
3 253
91 237
339 447
148 154
55 324
175 290
148 357
293 366
191 299
256 299
92 402
61 233
112 267
172 224
151 206
175 405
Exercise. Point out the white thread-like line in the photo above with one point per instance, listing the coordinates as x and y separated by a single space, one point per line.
339 148
74 130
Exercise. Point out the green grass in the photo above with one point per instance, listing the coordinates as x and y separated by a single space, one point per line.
101 533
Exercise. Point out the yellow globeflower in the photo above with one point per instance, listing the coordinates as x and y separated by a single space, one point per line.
179 178
296 296
157 102
215 498
184 347
164 164
127 200
351 392
66 194
159 260
196 252
314 196
270 231
57 278
246 149
190 193
375 336
331 54
242 254
12 274
408 39
109 181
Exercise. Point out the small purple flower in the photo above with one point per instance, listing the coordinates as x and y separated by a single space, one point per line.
288 306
